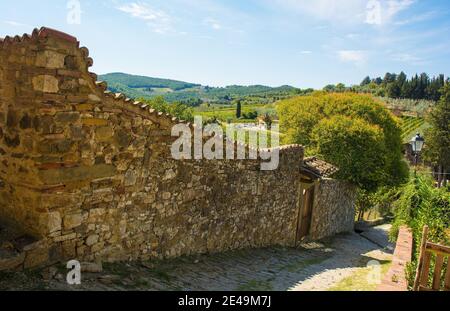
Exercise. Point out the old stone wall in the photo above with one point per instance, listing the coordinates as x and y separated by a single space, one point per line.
334 208
90 172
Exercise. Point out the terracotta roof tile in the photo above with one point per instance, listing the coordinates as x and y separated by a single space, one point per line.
319 168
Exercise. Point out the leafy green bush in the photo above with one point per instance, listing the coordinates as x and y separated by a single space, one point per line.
357 147
381 203
422 204
353 131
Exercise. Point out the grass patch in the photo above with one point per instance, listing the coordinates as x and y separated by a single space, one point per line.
360 280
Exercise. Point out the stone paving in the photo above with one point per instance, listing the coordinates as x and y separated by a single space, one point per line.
314 266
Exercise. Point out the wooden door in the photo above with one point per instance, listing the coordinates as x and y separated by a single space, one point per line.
306 213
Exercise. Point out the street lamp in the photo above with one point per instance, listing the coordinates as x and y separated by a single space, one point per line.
417 144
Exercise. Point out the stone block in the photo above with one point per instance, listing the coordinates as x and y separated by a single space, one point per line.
95 122
72 221
46 84
66 237
54 222
69 249
84 107
67 117
11 261
91 267
104 133
130 178
50 59
74 174
36 258
94 98
97 247
92 239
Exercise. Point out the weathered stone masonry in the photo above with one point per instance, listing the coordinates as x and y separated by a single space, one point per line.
90 173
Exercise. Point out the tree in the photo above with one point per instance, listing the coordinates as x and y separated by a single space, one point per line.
353 131
238 109
340 87
399 86
329 88
389 78
393 90
433 90
378 81
251 115
366 81
267 118
437 149
355 146
401 79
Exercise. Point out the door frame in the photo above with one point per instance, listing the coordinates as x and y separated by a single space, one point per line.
305 186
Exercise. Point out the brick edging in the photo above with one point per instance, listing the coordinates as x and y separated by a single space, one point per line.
395 279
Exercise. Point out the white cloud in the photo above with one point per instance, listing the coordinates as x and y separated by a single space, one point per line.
356 57
158 20
352 35
384 12
16 24
396 6
347 11
305 52
407 58
217 25
213 23
331 10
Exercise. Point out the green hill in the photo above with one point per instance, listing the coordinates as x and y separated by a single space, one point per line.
137 82
172 90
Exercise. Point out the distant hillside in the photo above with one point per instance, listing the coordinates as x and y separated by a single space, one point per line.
146 82
172 90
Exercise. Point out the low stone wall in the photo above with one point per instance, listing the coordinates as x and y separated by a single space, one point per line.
395 279
334 208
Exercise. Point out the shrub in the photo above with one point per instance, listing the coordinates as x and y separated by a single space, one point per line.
422 204
353 131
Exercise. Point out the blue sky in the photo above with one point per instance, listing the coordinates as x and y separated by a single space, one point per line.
273 42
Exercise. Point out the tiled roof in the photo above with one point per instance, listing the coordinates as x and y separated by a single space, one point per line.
318 168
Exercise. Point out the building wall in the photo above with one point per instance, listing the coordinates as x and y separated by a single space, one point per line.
90 173
334 209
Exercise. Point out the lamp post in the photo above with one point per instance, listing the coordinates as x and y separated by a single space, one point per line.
417 143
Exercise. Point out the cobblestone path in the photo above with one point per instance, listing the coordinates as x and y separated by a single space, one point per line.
314 266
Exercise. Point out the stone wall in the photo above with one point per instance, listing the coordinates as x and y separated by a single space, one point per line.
90 173
334 208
